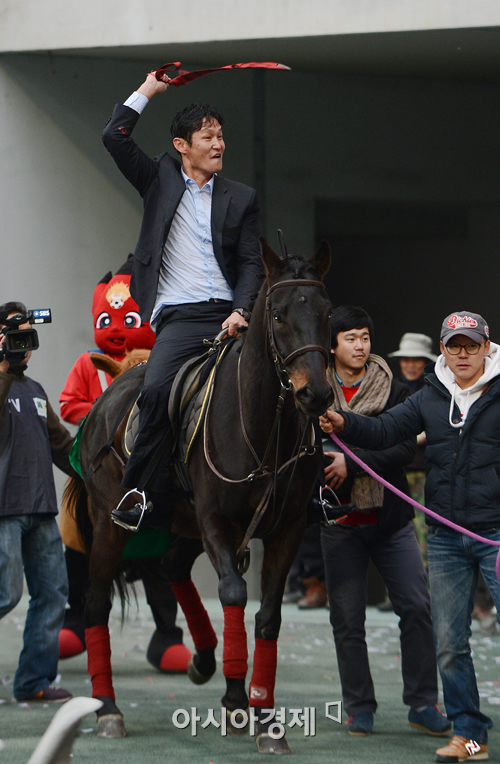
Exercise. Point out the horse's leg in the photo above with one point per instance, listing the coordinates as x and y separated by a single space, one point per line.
278 557
107 546
179 561
219 542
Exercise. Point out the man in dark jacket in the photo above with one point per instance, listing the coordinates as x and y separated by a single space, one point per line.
459 409
197 263
31 439
379 528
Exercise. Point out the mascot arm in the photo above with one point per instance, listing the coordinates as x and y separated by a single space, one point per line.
80 391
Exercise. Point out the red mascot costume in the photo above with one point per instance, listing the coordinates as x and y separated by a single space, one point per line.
118 329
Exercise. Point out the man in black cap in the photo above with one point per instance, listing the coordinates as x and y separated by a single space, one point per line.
459 409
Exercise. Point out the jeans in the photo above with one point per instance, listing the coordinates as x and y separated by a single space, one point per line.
346 552
454 563
33 542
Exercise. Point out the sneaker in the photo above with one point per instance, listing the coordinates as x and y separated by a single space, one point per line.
361 724
430 720
462 749
50 695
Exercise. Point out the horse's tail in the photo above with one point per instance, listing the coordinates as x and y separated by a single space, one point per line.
75 498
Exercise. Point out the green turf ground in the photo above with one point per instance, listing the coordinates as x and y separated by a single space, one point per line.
307 676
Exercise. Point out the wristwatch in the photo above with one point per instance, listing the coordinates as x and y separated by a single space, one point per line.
243 313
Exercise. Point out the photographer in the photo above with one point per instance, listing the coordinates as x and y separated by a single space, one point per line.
31 439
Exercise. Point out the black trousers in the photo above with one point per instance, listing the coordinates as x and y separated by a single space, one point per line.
182 329
397 557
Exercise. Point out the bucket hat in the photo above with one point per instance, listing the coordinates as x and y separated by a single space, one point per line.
414 346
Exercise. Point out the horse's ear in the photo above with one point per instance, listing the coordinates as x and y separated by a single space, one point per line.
321 259
272 262
107 364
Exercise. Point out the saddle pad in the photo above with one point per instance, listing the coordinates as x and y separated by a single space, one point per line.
193 419
131 430
185 387
190 387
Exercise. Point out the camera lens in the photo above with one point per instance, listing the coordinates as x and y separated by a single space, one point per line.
21 343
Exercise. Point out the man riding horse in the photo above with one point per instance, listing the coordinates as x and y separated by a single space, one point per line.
197 267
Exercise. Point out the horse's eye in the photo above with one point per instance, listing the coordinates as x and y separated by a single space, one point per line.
277 318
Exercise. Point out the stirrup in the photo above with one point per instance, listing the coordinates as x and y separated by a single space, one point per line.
144 505
333 510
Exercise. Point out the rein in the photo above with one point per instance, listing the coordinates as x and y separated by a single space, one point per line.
262 469
414 503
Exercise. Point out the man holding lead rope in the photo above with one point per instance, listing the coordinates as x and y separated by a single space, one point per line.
459 409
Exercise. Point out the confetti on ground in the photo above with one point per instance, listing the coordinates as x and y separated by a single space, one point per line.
87 730
172 695
7 680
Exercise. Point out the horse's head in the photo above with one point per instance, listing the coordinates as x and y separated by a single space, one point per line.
297 315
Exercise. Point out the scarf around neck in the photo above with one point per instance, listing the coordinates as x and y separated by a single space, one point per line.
369 400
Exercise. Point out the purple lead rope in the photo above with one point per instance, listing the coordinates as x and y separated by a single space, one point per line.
415 503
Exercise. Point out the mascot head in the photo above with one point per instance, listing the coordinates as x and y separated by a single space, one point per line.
118 326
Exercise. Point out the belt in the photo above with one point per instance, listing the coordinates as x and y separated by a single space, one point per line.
163 321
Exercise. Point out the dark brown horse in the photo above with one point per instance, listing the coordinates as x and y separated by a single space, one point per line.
251 466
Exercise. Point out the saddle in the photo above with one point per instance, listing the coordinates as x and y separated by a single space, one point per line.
187 403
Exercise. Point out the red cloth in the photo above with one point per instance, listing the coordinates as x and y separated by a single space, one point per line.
265 660
184 77
99 661
235 651
356 518
201 629
82 388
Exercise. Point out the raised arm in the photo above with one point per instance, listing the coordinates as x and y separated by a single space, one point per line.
139 169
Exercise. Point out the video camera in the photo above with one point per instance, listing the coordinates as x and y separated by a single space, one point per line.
18 342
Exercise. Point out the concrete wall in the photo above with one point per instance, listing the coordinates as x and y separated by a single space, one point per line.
57 24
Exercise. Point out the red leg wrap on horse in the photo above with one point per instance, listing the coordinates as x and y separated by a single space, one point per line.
201 629
99 661
265 660
235 652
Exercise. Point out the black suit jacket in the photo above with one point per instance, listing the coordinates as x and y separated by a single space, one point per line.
235 230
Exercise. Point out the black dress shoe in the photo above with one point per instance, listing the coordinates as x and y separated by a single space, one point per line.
130 519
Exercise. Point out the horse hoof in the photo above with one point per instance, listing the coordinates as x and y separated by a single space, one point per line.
231 727
268 744
195 676
111 725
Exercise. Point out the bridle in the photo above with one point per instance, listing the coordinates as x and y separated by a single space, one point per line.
262 469
281 363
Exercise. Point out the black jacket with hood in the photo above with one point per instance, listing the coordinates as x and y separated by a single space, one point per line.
463 452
